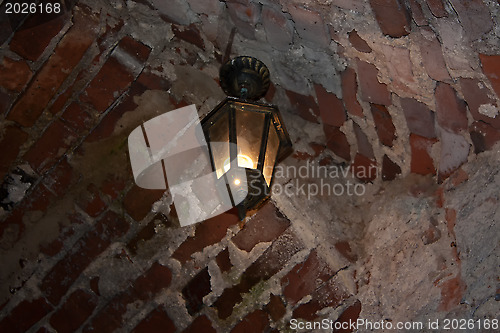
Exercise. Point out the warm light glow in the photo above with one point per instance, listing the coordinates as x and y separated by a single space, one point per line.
243 161
237 182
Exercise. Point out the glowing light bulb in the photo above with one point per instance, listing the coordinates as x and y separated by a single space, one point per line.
237 182
243 161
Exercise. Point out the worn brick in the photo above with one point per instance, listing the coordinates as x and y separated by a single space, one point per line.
337 142
76 118
349 91
331 108
437 8
477 96
200 324
359 43
268 264
474 16
331 294
266 225
157 321
452 291
25 315
432 55
483 136
390 169
207 233
92 202
491 68
113 186
110 317
364 146
73 313
419 118
392 17
451 111
364 168
279 29
47 81
398 63
421 160
35 34
371 89
304 106
224 261
12 140
256 321
345 249
116 74
57 282
60 179
305 278
15 74
349 315
383 124
309 25
195 290
156 278
53 143
417 14
190 34
138 201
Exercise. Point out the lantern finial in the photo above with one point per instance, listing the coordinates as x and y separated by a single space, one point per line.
244 77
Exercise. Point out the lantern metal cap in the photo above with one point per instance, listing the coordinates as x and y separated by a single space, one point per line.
244 77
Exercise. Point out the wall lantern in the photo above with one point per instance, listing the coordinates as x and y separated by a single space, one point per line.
245 138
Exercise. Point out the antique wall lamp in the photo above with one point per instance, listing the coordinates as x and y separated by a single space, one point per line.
245 138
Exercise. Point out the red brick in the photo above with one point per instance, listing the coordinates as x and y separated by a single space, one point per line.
491 68
61 178
6 100
268 264
309 25
15 74
331 294
109 319
224 261
364 146
156 278
94 285
421 160
200 324
383 124
337 142
350 315
454 152
207 233
417 14
371 89
331 108
31 39
349 91
57 282
419 118
432 55
195 290
345 249
276 308
304 106
364 168
146 233
437 8
12 140
73 313
431 235
452 291
157 321
113 186
359 43
25 315
53 143
266 225
115 76
190 34
256 321
451 111
92 202
390 169
477 94
305 278
138 209
483 136
150 81
474 16
65 57
392 17
76 118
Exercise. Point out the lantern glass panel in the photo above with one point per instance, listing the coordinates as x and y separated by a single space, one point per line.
249 129
273 143
219 143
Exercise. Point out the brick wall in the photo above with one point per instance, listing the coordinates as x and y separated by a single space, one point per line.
410 88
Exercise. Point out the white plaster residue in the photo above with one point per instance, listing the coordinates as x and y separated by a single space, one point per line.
488 110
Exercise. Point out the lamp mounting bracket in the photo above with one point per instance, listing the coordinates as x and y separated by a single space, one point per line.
244 77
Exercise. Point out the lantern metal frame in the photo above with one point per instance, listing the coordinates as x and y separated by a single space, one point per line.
248 78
